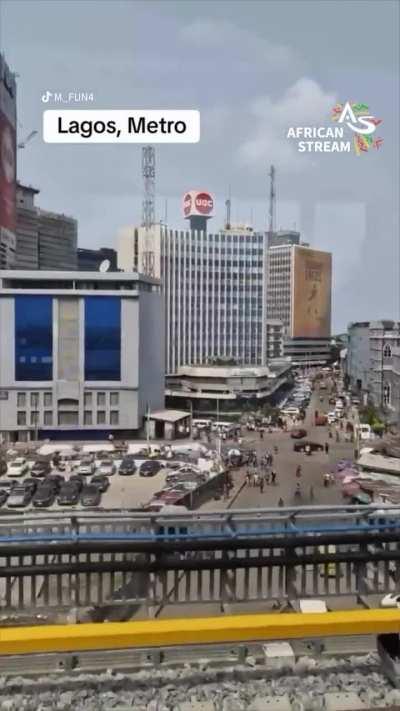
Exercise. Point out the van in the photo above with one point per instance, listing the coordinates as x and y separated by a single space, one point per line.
225 427
201 424
365 432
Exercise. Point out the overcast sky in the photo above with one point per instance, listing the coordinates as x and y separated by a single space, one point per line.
252 69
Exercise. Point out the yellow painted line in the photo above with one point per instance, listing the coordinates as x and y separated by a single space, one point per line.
207 630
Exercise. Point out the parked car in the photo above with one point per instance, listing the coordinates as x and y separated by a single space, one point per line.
3 496
90 496
314 446
68 495
127 466
56 480
44 496
19 497
18 467
101 481
86 467
7 484
298 434
106 467
41 468
149 468
31 485
77 480
321 420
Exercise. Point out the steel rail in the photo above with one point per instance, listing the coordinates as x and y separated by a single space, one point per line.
190 564
201 631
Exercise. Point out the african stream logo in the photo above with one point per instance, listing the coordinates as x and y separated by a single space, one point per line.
355 130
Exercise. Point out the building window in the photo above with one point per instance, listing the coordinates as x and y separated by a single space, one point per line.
33 338
21 418
387 351
114 417
114 399
87 417
68 417
34 400
101 399
21 399
48 417
386 394
34 417
102 338
48 399
101 417
88 399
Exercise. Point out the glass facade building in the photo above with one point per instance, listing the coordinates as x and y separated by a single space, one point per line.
102 338
33 338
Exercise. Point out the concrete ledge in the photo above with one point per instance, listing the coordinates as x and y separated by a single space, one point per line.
197 631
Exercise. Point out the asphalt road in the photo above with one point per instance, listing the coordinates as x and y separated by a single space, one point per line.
285 462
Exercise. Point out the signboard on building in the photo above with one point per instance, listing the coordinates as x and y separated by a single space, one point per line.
7 153
197 202
312 274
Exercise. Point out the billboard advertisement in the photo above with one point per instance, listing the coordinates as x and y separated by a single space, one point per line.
196 202
7 151
312 274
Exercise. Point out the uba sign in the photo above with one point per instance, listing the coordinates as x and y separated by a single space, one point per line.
197 203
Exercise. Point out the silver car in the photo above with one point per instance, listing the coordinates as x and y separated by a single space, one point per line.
106 467
86 467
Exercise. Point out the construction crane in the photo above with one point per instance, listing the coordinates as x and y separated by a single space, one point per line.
27 139
272 200
148 208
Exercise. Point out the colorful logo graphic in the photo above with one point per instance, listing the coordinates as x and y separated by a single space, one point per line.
358 119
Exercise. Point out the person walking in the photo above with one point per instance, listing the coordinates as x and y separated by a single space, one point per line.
256 479
248 478
312 496
326 448
281 502
273 478
261 484
267 478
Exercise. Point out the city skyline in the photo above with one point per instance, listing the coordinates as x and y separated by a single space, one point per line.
250 76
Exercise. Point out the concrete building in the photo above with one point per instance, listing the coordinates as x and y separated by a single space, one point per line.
205 386
214 288
275 335
299 295
45 240
89 260
81 354
8 162
384 339
358 358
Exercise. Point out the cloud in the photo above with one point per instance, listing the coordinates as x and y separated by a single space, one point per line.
223 36
303 103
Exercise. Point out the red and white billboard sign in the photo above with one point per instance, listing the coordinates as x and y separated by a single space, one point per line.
196 202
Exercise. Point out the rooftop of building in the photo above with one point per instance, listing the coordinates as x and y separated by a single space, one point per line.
9 277
235 371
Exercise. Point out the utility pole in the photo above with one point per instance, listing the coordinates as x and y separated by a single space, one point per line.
148 207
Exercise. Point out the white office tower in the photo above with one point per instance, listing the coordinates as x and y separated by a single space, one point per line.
214 289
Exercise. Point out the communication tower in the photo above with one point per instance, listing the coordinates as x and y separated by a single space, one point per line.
148 207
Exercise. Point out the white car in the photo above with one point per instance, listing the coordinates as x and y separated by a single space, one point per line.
86 467
391 600
291 411
106 467
332 417
18 467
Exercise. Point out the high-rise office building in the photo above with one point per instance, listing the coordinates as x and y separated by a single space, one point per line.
8 121
81 354
299 295
45 240
214 290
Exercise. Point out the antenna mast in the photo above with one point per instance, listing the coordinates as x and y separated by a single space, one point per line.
272 199
148 207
